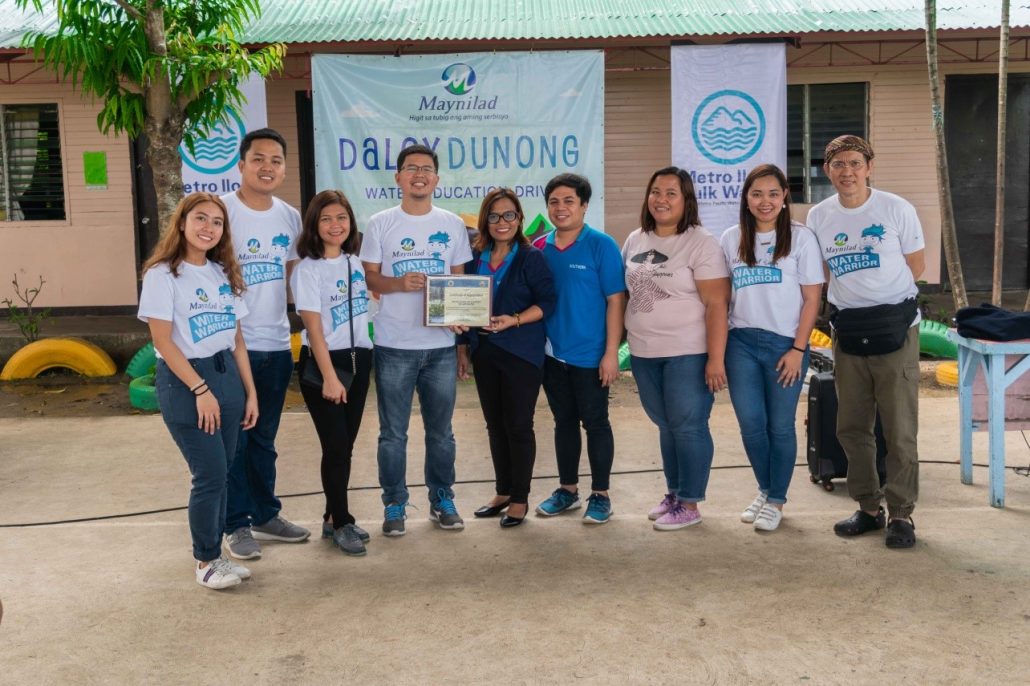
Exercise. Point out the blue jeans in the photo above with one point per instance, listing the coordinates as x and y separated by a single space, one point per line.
207 455
399 374
252 498
676 398
765 409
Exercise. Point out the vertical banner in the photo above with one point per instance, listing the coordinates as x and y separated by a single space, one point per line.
212 167
729 114
495 119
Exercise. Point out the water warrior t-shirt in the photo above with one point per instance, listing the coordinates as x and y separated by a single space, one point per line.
264 242
768 295
199 303
321 286
399 242
665 316
865 249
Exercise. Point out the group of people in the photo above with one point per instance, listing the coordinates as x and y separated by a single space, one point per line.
700 313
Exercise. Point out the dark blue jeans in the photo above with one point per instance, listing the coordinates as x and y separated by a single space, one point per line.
765 409
576 396
399 374
676 398
207 455
252 475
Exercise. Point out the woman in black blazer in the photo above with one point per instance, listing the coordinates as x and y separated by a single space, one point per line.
508 356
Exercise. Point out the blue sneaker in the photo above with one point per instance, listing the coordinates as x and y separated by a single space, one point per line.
599 509
445 514
560 501
393 520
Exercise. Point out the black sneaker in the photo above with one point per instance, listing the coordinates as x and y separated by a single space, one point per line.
901 533
859 523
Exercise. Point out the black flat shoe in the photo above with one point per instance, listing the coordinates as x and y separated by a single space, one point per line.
901 533
491 510
859 523
508 521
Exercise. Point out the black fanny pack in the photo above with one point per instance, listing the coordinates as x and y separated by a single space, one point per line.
875 330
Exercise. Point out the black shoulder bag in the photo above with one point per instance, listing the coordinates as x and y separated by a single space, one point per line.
310 375
875 330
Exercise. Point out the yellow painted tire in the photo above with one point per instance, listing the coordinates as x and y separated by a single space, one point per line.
819 340
295 346
947 373
76 354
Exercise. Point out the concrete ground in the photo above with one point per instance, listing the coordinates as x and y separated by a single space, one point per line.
114 601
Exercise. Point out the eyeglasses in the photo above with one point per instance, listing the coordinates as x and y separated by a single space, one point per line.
853 165
424 169
509 216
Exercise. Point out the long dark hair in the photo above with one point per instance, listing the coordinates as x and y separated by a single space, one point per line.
310 243
748 224
484 240
172 246
691 215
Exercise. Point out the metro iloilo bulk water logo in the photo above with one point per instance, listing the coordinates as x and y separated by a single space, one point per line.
459 78
219 152
728 127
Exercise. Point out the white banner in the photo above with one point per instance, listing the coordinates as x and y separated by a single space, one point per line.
495 119
729 114
212 167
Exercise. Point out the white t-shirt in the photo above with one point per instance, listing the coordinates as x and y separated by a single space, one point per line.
264 242
865 249
665 316
431 243
321 286
768 296
199 303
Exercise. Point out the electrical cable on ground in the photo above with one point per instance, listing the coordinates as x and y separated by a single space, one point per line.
1022 471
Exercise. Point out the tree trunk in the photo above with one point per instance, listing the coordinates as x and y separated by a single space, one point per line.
999 193
948 236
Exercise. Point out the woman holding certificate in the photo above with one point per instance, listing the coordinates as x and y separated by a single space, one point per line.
336 356
507 357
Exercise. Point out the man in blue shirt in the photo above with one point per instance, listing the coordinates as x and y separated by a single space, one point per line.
583 335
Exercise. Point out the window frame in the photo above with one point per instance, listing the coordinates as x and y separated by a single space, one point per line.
5 151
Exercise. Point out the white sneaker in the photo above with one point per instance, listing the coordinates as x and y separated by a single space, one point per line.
768 518
748 516
236 568
216 575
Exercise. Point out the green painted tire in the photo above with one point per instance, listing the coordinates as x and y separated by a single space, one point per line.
143 362
933 340
624 357
142 394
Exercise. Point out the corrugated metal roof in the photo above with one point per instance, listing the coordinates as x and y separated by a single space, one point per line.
308 21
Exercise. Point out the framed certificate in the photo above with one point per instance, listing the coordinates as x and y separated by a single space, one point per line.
458 299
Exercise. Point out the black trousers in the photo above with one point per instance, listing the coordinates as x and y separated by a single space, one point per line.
576 396
337 427
508 387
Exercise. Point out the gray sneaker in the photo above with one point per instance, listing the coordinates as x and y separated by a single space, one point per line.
445 514
241 544
348 540
327 531
278 529
393 520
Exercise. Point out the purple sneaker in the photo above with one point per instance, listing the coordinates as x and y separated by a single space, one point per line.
668 502
677 518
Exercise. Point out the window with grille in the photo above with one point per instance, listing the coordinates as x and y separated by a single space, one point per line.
816 114
31 175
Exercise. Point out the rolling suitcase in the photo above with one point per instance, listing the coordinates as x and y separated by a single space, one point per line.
826 458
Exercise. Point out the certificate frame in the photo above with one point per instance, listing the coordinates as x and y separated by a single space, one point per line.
457 300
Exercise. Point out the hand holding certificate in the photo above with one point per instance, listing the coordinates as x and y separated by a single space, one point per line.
458 300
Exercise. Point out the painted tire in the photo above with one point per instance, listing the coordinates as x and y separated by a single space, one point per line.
142 394
947 374
76 354
624 364
143 362
818 339
933 340
295 346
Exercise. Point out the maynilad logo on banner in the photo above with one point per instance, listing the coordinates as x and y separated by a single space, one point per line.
212 166
729 114
493 120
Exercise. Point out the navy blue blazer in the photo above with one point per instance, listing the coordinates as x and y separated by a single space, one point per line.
527 282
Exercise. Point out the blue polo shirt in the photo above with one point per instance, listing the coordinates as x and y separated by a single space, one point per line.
585 274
